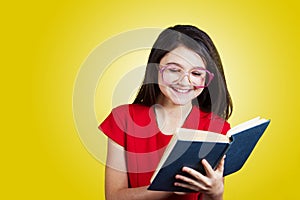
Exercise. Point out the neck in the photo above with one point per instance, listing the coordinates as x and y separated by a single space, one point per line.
170 107
170 116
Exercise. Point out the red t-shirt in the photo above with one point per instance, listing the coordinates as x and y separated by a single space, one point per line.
135 128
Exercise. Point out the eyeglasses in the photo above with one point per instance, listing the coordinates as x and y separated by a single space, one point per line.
199 77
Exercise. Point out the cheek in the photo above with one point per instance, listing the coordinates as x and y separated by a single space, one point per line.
163 89
159 79
161 85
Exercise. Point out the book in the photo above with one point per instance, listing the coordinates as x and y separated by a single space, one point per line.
188 147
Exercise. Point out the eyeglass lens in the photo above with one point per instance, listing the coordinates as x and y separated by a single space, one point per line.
174 74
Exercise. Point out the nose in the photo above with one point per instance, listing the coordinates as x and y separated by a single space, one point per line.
185 80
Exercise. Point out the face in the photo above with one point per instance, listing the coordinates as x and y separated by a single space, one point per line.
183 91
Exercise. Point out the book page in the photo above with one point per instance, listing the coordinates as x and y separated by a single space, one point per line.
200 135
245 125
165 155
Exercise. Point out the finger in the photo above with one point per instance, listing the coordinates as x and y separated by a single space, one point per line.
186 179
191 181
180 193
197 175
187 186
188 183
208 169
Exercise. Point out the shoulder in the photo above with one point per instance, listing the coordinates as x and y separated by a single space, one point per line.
122 120
134 111
128 109
135 114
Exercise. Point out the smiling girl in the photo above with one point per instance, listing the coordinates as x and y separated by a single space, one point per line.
184 86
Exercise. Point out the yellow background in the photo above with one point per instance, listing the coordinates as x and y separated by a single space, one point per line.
44 43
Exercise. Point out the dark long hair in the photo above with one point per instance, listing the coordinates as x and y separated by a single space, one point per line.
214 98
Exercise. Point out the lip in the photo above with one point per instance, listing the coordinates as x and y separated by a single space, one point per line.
181 90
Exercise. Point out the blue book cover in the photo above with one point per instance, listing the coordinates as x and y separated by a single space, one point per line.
188 147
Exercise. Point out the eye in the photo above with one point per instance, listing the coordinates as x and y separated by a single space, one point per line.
198 73
174 69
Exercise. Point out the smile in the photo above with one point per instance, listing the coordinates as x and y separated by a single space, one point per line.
180 90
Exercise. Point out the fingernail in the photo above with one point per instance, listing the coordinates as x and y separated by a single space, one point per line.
185 169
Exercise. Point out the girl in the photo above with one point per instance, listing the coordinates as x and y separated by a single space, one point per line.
184 86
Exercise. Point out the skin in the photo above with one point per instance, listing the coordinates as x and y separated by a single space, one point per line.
174 106
180 94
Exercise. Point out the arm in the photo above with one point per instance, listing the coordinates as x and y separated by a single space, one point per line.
116 179
116 187
211 185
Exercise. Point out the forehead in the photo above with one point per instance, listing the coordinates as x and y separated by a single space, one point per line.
183 56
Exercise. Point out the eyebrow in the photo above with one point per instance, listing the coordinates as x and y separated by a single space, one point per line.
179 65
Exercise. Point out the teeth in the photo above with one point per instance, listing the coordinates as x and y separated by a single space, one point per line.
181 90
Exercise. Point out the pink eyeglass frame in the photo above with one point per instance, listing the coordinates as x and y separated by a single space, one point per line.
210 75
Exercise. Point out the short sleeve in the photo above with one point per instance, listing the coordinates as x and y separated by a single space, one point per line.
219 125
114 126
226 127
214 123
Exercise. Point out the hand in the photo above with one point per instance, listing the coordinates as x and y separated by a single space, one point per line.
211 185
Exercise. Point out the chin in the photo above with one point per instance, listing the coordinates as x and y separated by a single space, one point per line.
181 101
180 96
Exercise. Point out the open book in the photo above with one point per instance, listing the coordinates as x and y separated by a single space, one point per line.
188 147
